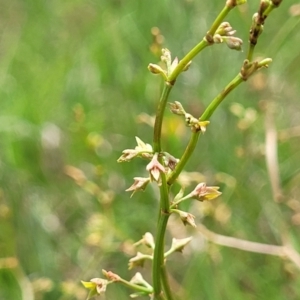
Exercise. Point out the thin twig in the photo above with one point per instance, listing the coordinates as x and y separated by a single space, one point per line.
282 251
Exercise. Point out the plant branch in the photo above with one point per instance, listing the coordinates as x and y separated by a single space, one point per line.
207 41
165 283
281 251
158 257
159 117
205 117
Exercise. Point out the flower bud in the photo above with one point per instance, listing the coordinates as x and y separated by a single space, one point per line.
140 183
177 108
234 43
179 244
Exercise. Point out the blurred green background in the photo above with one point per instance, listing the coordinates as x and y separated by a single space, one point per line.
75 90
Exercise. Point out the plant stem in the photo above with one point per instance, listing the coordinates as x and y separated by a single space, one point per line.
159 117
185 157
188 57
200 46
205 117
159 272
136 287
165 283
158 256
219 20
250 52
217 101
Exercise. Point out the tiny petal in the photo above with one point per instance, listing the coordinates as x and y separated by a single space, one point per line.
141 146
234 43
218 39
140 183
166 56
138 260
149 240
203 192
127 155
155 167
155 69
174 64
186 218
203 125
96 286
170 161
179 244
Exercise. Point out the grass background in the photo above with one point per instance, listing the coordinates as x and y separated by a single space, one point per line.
74 91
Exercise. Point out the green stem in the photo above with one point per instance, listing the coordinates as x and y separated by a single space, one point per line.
219 20
165 283
199 47
136 287
185 157
159 117
188 57
159 272
250 52
158 256
195 136
217 101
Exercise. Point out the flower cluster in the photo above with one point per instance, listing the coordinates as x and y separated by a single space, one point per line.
225 33
141 150
170 65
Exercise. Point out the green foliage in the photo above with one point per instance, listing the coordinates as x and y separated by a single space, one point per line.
73 82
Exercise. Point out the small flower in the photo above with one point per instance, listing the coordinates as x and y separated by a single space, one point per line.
127 155
179 244
147 240
234 43
225 29
156 69
186 217
170 161
203 125
139 280
155 167
166 56
177 108
203 192
140 183
142 149
138 260
167 59
96 286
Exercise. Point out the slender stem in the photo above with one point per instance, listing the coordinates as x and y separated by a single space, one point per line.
136 287
158 257
217 101
188 57
159 117
159 272
250 52
200 46
195 136
165 283
226 9
185 157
